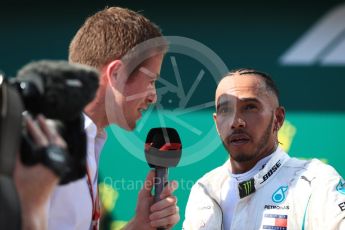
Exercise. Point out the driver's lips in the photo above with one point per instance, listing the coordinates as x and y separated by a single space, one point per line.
238 140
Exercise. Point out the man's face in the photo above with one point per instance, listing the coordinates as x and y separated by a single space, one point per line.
246 117
140 91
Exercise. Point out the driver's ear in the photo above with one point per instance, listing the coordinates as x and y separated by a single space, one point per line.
215 121
279 118
113 72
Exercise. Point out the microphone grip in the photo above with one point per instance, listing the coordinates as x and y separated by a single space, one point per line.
161 181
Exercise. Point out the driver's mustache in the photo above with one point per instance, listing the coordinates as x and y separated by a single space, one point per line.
238 131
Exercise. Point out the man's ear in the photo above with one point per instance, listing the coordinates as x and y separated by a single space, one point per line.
280 117
113 71
215 121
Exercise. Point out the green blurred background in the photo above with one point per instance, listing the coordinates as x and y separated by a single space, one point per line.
308 35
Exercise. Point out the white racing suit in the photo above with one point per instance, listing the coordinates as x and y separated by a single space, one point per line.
286 194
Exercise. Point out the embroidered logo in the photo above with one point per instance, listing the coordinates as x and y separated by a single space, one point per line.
270 172
246 187
341 187
275 221
279 195
307 180
342 206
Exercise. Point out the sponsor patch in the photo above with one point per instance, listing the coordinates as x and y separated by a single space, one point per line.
246 188
275 221
341 187
270 172
342 206
279 195
276 207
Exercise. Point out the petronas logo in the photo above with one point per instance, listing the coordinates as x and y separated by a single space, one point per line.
341 187
246 188
280 194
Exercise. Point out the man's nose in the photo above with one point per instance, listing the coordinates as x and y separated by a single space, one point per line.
238 122
151 96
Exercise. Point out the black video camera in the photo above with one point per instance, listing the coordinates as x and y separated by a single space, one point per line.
59 91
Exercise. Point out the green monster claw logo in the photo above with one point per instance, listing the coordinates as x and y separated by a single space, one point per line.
246 187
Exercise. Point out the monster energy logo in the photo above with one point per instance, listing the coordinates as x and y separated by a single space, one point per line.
246 187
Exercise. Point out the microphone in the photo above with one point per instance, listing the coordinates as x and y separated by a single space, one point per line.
163 149
57 89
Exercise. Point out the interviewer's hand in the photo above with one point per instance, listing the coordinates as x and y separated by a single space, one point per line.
35 183
164 213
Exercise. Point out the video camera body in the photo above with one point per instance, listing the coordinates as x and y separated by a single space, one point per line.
59 91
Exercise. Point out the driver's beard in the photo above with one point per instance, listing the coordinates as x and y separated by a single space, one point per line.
264 141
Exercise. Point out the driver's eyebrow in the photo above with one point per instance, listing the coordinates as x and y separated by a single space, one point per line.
250 99
222 101
153 76
222 104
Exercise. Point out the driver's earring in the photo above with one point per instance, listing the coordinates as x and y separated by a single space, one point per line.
276 128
